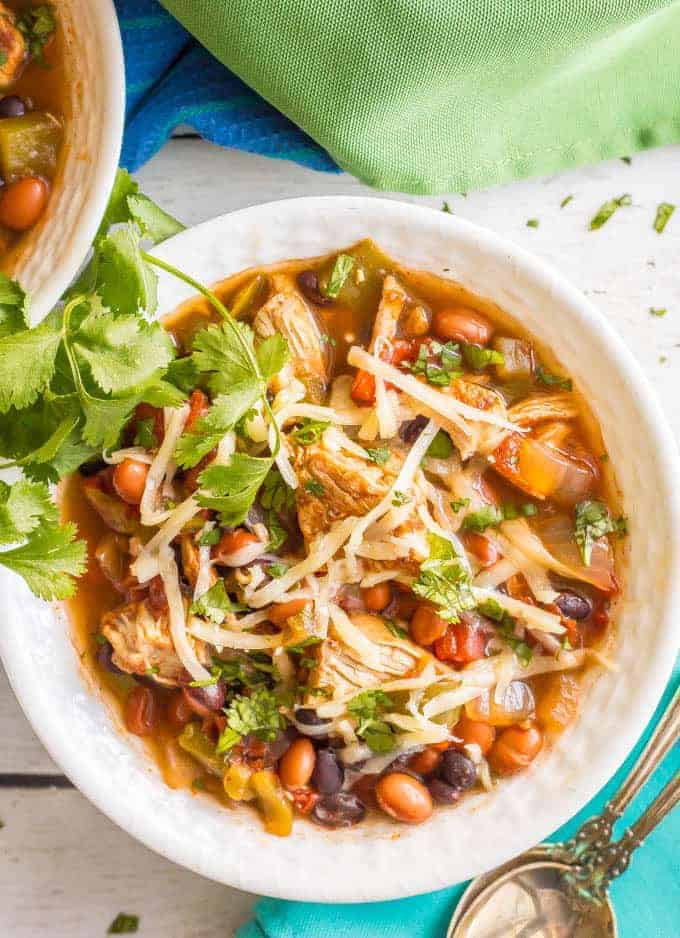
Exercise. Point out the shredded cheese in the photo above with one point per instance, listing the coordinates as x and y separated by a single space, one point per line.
149 512
146 566
183 647
226 638
534 617
354 638
138 453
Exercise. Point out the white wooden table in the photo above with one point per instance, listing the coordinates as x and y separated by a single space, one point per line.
65 869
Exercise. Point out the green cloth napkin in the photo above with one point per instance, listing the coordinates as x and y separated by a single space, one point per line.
432 96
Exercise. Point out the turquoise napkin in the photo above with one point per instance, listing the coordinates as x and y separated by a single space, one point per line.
646 897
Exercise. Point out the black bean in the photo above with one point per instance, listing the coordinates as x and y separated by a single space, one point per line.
309 717
442 792
282 742
12 106
573 605
410 430
308 282
105 659
212 697
341 810
328 774
457 770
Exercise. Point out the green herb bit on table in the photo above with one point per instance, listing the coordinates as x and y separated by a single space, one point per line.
663 213
606 211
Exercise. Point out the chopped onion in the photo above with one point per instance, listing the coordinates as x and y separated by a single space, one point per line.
183 647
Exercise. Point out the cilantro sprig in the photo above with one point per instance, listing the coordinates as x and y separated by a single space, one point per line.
367 708
259 715
444 581
593 520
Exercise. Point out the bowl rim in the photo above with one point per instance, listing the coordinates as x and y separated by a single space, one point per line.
83 771
112 72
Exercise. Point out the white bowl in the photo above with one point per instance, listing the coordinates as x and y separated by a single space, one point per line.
48 258
381 860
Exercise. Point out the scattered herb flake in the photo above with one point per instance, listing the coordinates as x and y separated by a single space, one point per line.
459 503
478 358
657 311
566 200
277 569
506 627
663 213
552 381
400 498
593 520
210 538
447 208
627 160
378 455
441 446
314 487
198 784
213 605
339 274
144 434
124 924
310 431
258 714
605 212
444 581
532 223
395 629
367 707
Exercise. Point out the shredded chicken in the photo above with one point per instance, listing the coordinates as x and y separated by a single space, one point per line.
12 47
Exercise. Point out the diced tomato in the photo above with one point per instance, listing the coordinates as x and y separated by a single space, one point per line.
363 388
199 406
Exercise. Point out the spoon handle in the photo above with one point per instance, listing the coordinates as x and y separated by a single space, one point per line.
596 832
603 866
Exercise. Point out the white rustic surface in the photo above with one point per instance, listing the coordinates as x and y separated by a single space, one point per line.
65 870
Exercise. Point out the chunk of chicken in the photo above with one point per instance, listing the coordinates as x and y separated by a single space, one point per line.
335 485
341 671
142 643
541 407
287 313
392 304
477 437
13 52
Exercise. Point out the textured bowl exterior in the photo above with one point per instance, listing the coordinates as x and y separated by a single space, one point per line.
50 255
370 862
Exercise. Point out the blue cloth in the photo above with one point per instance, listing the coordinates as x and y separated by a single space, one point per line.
172 80
646 897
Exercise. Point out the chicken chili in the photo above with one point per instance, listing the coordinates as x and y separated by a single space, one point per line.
363 566
31 114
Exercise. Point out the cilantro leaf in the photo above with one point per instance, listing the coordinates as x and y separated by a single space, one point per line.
257 714
231 489
215 351
459 503
37 24
379 455
208 430
605 212
663 214
145 435
552 381
438 364
23 506
122 352
27 362
183 373
532 223
118 210
367 707
566 200
275 494
13 307
341 270
444 581
49 561
272 355
213 605
314 487
489 516
310 431
277 569
73 451
125 282
592 520
152 221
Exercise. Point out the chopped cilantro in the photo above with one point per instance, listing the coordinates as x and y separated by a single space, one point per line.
213 605
367 708
314 487
552 381
657 311
478 358
446 208
232 489
459 503
489 516
566 200
37 24
400 498
339 274
124 924
441 446
395 629
275 494
627 160
310 642
378 455
532 223
278 535
438 364
154 669
605 212
444 581
329 340
198 784
210 537
663 214
259 714
593 520
277 569
144 434
506 628
310 431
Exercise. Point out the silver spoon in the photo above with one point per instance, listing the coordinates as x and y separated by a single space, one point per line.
557 872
